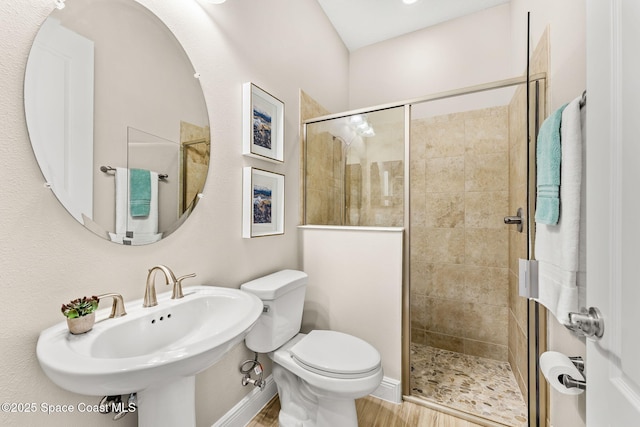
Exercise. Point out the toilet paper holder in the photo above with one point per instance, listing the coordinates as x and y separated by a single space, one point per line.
568 381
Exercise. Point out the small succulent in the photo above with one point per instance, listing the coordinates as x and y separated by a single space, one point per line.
80 307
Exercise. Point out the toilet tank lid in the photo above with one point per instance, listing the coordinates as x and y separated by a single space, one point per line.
276 284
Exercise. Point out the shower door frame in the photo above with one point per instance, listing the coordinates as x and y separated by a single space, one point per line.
538 396
537 399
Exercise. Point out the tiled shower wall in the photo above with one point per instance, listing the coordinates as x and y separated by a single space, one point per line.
459 242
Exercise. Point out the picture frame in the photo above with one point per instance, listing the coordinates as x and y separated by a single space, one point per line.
263 124
263 203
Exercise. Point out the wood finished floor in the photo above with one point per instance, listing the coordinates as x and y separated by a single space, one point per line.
374 412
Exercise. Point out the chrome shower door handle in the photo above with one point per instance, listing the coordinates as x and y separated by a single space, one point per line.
515 219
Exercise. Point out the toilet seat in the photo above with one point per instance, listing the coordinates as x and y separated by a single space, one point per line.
336 355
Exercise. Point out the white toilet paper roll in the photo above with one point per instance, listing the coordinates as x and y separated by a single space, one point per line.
553 364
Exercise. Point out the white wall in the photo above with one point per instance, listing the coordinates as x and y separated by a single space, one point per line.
455 54
567 32
46 258
355 286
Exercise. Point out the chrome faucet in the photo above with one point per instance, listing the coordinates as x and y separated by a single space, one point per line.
150 298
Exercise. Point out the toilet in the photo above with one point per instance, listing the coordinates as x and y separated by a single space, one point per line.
320 374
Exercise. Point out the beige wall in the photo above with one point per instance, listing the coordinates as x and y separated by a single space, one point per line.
462 52
459 255
347 264
46 258
566 21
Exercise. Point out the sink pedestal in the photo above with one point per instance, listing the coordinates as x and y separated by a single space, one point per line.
169 405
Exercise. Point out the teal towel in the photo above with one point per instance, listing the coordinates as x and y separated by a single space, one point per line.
139 192
548 159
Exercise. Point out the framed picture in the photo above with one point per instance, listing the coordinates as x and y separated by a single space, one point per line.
262 124
263 203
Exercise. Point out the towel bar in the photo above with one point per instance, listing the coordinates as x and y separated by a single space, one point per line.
107 169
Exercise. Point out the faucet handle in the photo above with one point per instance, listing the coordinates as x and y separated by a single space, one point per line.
177 288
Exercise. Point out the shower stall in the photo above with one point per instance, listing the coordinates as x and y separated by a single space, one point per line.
448 168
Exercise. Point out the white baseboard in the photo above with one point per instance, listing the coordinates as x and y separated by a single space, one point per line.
249 406
389 390
244 411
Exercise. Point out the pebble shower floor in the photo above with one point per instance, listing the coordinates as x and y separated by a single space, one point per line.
475 385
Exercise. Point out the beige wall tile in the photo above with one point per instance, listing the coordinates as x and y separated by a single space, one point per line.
445 342
446 137
418 311
445 174
462 257
420 276
486 209
418 336
445 245
487 172
478 322
486 247
444 210
445 281
487 131
486 350
487 285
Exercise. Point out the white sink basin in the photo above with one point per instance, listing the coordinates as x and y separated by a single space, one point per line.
149 347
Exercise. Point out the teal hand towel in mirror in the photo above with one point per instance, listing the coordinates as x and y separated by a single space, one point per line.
139 192
548 158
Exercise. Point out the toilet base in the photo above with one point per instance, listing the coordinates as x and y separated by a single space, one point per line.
300 407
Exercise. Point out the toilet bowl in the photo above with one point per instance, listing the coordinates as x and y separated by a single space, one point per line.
318 375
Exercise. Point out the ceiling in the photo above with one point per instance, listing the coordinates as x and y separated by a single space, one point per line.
363 22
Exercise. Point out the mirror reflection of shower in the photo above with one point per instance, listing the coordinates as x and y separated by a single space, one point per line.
354 169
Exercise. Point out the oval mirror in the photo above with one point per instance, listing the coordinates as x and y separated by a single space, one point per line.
117 119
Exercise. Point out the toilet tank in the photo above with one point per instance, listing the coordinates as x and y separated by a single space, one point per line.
283 296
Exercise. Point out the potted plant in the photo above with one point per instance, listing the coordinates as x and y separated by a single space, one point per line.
80 314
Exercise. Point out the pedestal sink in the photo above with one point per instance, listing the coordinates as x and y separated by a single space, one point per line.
155 352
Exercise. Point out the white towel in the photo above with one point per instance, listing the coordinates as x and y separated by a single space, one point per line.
557 247
137 239
145 229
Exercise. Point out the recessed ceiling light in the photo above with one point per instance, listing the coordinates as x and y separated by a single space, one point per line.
409 1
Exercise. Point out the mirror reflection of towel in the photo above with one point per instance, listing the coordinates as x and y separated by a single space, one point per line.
143 226
139 192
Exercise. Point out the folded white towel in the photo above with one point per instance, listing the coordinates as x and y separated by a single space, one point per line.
124 221
137 239
557 247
